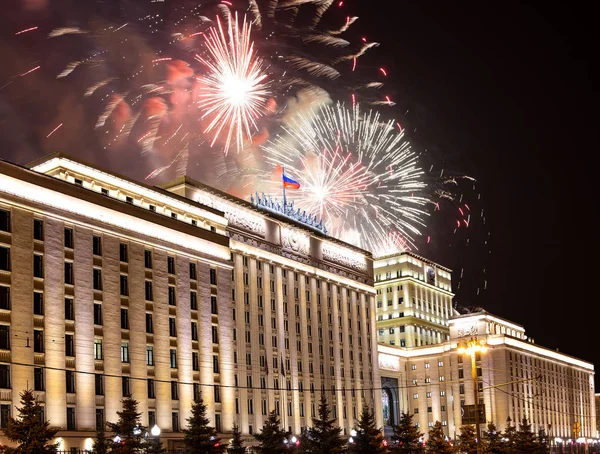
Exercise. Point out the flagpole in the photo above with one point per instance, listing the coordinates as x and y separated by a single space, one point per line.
283 183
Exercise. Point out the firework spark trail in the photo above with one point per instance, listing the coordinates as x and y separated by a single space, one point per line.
235 90
54 130
357 173
30 71
69 69
26 30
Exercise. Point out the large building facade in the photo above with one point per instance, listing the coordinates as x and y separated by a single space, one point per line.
109 288
516 378
414 300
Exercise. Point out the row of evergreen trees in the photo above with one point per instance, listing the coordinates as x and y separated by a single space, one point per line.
32 435
408 439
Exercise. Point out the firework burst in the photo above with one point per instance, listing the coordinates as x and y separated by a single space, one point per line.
358 173
234 90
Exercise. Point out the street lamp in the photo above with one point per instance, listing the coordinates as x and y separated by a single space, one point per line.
155 431
472 347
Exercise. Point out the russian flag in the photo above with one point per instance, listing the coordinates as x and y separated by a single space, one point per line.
288 183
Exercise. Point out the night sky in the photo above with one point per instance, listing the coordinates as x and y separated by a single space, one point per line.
506 91
500 92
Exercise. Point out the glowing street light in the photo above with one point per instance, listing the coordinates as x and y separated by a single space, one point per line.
155 431
471 348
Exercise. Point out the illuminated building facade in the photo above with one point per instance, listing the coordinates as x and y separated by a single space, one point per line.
109 287
414 300
515 378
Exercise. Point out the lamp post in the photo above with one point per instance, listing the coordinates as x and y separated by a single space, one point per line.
472 347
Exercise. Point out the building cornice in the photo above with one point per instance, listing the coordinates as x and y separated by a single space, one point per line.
59 194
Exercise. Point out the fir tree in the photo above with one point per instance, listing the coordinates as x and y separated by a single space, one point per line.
28 431
437 442
128 430
510 434
467 440
324 436
237 445
271 437
200 438
406 437
369 438
542 442
154 446
491 441
101 444
525 439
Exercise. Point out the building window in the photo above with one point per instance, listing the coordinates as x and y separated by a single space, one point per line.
196 391
217 393
213 276
70 381
97 245
99 384
124 318
149 295
195 362
414 367
149 355
193 301
149 327
71 418
172 328
194 331
4 297
123 256
429 394
68 238
415 396
69 273
126 386
171 265
99 418
147 259
175 421
4 258
98 349
4 337
97 314
38 303
4 376
442 393
218 422
151 418
215 364
124 285
193 271
461 373
173 358
38 265
97 279
213 305
426 365
151 394
69 345
461 389
174 391
38 379
69 309
124 352
215 335
440 363
38 229
4 220
172 299
442 378
38 341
